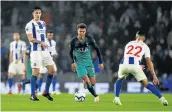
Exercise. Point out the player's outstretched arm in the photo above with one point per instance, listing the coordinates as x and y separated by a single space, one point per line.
151 69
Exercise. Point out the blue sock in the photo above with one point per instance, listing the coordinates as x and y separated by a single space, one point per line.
10 83
33 84
54 80
23 87
48 82
118 87
154 90
40 81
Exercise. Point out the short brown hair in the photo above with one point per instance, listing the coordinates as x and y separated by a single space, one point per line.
81 25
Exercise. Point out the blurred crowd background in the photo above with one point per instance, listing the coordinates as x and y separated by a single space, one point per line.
112 23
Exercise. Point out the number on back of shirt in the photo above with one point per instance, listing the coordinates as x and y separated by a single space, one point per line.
134 50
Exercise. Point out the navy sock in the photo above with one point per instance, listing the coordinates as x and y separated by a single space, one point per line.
33 84
91 89
54 81
118 87
26 82
40 81
10 83
48 82
23 87
154 90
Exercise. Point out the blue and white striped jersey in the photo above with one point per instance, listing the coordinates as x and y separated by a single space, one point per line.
38 30
52 47
17 48
134 51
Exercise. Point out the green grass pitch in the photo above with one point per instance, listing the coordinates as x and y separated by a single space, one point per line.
66 102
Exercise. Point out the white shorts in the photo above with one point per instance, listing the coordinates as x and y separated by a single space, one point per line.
135 70
44 70
40 58
16 68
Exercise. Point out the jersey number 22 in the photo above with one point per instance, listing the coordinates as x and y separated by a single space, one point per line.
137 48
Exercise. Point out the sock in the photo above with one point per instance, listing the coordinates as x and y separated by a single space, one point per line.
91 90
36 86
33 84
23 87
118 87
48 82
26 82
154 90
54 80
10 83
40 81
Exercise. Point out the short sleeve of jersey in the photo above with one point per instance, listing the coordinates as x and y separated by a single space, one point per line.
11 47
24 46
28 28
147 52
55 52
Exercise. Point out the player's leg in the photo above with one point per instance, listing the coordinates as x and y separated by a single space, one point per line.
21 72
40 81
48 62
10 82
35 64
23 79
91 74
141 77
54 81
155 91
90 88
118 85
82 73
11 72
49 78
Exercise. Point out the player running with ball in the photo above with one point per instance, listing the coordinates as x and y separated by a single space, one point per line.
130 64
80 53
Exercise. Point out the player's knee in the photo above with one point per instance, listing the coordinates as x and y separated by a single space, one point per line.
36 72
51 70
23 76
144 83
10 75
93 82
86 81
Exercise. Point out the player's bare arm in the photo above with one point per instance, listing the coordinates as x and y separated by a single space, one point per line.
151 69
33 40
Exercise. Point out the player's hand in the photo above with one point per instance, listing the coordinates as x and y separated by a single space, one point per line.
101 66
155 80
73 66
43 44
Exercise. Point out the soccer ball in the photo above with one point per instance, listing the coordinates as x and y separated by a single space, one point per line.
80 96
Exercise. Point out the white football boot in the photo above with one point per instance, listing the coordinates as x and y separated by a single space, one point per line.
117 101
164 101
